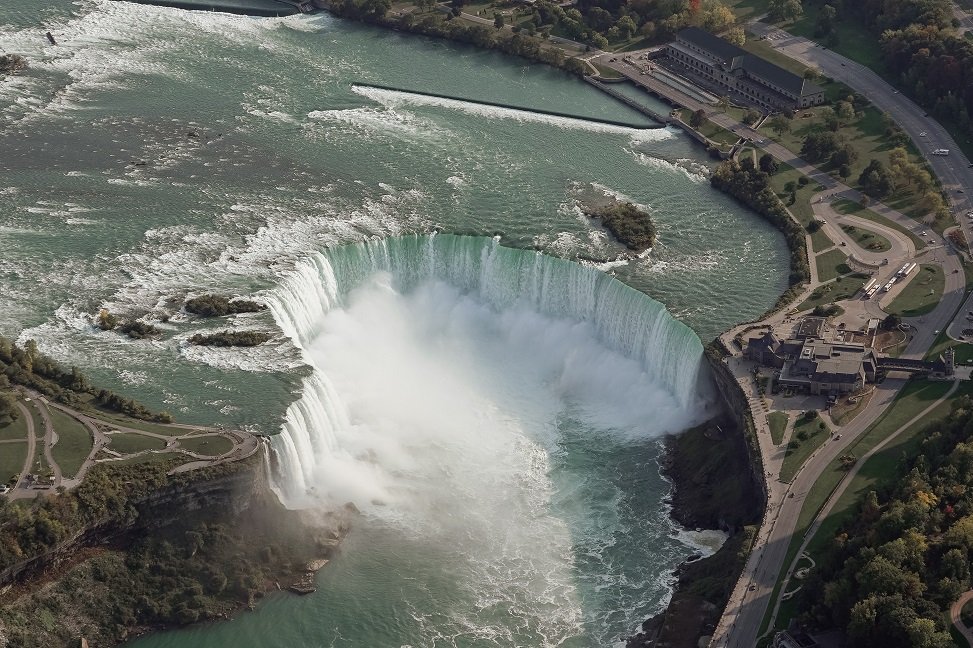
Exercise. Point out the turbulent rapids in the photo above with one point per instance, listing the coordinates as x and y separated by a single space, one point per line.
494 404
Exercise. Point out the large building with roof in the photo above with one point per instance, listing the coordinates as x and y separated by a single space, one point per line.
735 70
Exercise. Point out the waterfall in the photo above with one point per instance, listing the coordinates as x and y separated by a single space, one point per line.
623 319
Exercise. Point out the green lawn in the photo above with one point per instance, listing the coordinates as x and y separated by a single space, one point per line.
113 418
921 294
850 207
815 431
12 457
831 264
778 423
718 134
207 445
881 468
852 39
866 135
130 443
839 289
802 206
820 241
15 430
73 445
912 399
606 72
867 239
155 457
745 10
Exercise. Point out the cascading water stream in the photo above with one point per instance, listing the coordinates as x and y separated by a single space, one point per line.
493 411
624 320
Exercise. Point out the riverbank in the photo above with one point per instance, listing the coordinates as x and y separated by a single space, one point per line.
168 551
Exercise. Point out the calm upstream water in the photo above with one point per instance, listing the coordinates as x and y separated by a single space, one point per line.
494 413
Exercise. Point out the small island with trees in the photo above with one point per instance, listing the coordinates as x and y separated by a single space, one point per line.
219 306
630 225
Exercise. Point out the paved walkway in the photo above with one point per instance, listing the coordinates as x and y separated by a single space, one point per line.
955 615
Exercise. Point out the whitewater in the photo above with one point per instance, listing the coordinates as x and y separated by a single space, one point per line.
454 347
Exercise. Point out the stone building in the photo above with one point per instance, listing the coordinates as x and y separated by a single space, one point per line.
735 70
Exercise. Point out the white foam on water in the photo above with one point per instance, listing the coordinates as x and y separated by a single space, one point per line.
393 98
696 172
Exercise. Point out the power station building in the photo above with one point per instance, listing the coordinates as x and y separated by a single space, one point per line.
735 70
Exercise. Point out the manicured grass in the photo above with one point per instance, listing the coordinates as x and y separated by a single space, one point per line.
778 423
815 431
921 294
912 399
718 134
852 208
867 239
851 38
73 445
839 289
801 209
15 430
206 445
12 457
606 72
112 418
820 241
746 9
881 468
155 457
831 264
866 135
130 443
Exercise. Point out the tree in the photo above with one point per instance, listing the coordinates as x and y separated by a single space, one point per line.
876 180
785 10
696 120
736 35
768 164
825 24
845 112
626 27
751 117
780 124
498 21
8 409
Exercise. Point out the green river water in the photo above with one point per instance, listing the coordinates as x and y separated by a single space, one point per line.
508 405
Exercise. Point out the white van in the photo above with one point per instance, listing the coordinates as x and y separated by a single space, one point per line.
941 152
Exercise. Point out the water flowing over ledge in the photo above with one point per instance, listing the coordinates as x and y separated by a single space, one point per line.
623 319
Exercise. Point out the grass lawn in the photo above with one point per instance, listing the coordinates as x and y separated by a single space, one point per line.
606 72
73 445
820 241
814 431
852 208
778 423
837 290
866 135
113 418
912 399
867 239
718 134
15 430
881 468
206 445
12 457
744 10
852 39
921 294
802 206
156 457
130 443
831 264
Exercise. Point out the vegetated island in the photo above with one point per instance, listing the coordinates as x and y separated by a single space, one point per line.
219 306
631 226
140 547
230 338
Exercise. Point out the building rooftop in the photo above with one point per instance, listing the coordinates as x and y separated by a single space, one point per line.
752 64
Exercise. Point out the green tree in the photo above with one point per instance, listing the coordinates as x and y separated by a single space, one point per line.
768 164
626 27
785 10
696 119
498 20
780 124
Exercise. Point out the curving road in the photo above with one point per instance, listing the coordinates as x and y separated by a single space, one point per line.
956 616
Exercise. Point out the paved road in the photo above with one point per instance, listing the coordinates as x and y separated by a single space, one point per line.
964 17
31 449
846 481
955 614
50 439
953 170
